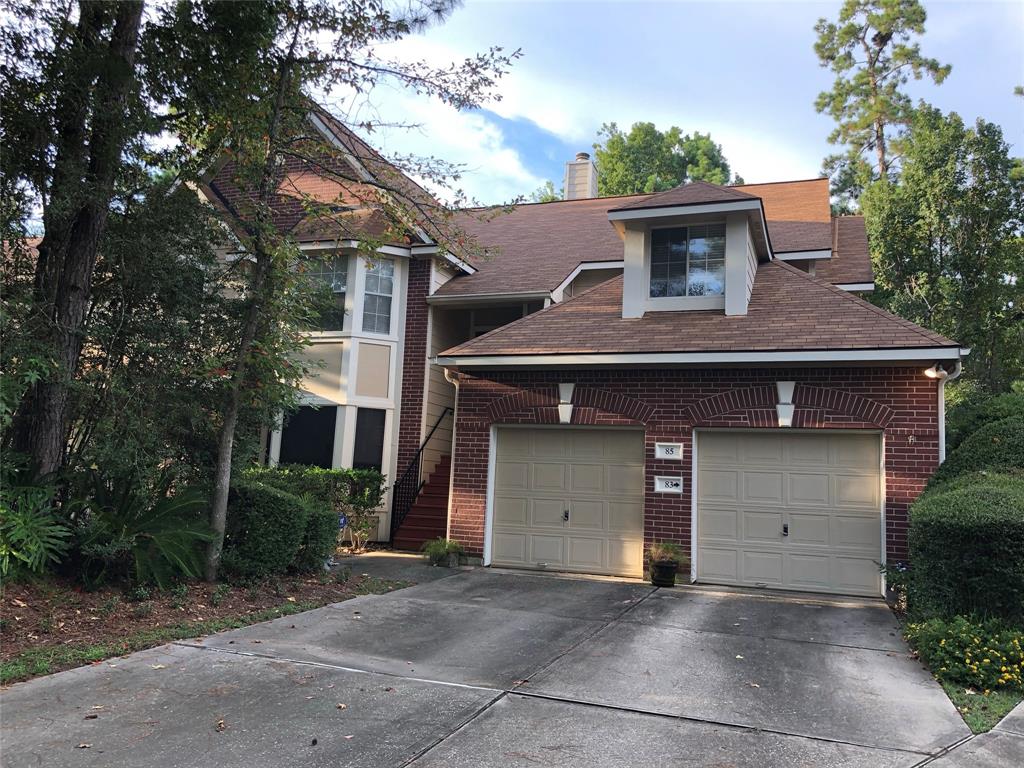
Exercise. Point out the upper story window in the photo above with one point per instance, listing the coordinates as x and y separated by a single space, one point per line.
380 283
688 261
334 274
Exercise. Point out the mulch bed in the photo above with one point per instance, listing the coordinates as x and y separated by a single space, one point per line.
59 613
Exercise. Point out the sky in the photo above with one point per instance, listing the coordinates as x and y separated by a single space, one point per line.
744 71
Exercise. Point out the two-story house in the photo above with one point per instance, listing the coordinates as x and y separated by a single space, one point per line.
694 365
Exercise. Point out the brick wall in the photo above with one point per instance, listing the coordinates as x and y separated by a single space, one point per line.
668 404
414 363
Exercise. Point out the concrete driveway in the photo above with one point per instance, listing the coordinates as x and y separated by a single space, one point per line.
488 668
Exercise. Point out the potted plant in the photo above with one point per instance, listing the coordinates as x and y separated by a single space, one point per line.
665 557
443 552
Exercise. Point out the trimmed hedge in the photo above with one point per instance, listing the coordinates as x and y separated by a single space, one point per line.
967 417
997 446
320 540
265 530
967 549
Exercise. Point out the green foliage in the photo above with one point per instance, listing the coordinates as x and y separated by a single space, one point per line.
947 242
438 550
977 410
870 51
320 539
148 535
666 552
649 160
994 447
983 655
32 537
546 193
265 529
967 549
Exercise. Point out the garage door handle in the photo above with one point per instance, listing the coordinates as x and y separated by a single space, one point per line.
785 529
565 515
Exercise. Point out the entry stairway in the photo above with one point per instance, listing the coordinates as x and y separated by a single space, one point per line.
428 517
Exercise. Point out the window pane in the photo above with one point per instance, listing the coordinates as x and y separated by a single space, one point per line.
706 261
368 452
377 297
668 262
308 437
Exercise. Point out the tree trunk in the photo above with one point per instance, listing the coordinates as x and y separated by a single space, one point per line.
83 180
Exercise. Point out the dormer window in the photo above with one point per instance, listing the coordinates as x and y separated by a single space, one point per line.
688 261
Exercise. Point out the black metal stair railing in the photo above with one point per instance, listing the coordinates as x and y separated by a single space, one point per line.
409 484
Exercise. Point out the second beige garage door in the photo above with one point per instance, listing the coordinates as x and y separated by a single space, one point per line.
569 500
790 511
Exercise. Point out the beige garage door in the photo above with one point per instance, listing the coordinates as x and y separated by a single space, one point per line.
789 511
569 500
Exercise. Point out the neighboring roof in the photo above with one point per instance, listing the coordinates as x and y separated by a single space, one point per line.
538 245
694 193
789 311
848 264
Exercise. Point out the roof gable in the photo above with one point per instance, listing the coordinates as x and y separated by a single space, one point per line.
692 193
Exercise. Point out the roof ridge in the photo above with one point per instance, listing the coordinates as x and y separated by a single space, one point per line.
931 336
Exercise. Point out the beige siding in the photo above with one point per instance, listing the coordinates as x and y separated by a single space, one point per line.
751 267
445 331
324 377
373 377
588 278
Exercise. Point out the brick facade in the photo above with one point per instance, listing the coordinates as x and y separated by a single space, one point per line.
414 363
900 402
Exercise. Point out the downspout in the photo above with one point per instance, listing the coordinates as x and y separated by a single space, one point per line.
955 374
451 473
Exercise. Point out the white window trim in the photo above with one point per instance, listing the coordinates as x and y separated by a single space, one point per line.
558 294
396 285
684 210
825 253
855 286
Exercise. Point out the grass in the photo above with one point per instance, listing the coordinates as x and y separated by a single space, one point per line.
981 712
36 662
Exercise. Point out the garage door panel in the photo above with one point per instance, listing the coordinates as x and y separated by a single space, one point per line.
511 511
547 512
762 567
825 487
719 524
857 451
586 478
587 513
809 529
512 476
718 565
624 515
762 487
549 550
510 548
857 491
624 480
549 477
812 572
806 488
597 475
719 484
760 527
585 553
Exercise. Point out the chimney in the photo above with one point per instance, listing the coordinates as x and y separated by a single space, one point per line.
580 178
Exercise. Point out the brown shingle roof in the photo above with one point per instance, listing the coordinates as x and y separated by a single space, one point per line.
788 311
850 262
694 193
538 245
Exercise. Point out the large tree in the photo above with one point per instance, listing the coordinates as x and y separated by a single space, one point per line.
947 241
872 50
649 160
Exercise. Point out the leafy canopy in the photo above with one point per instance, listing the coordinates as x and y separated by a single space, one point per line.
648 160
946 241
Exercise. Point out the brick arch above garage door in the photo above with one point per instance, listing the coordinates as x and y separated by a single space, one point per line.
816 407
591 406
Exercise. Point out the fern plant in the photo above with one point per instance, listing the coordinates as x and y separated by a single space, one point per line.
32 537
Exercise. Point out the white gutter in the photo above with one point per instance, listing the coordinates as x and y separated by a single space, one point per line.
485 298
454 381
957 370
703 358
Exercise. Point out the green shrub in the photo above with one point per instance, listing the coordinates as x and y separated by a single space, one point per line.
984 655
996 446
967 550
32 537
320 538
437 550
265 528
968 416
129 531
354 493
666 552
